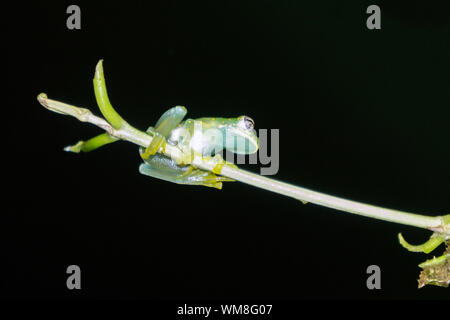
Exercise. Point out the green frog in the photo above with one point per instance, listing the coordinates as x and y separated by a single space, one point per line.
197 137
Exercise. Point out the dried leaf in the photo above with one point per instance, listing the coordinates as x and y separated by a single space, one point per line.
436 271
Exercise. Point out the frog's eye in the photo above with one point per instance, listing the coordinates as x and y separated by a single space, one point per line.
249 123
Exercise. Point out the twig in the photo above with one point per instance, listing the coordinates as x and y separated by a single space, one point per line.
126 132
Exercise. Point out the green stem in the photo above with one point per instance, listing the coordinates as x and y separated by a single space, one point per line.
427 247
92 144
101 96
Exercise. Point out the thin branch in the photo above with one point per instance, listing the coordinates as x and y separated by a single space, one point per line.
440 224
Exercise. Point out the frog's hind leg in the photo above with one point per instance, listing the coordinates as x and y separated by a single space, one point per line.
164 168
91 144
166 123
196 176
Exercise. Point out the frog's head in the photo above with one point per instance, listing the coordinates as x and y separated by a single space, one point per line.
241 136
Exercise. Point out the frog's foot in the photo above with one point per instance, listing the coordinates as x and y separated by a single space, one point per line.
158 142
166 169
196 176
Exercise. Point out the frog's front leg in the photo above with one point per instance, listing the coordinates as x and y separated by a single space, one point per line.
166 123
158 141
162 167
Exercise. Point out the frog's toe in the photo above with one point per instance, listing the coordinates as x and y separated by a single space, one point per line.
217 185
201 177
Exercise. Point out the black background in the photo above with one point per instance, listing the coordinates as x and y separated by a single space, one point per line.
362 114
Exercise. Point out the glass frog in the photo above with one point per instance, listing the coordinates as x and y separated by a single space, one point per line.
200 137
